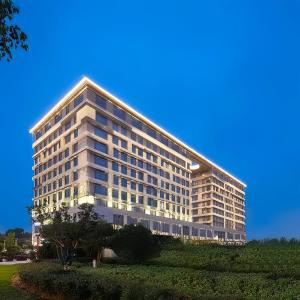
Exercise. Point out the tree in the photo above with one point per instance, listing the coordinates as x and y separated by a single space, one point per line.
98 237
70 230
11 35
11 245
135 243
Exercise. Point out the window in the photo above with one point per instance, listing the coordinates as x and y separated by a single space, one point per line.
67 179
67 166
101 119
101 133
141 188
67 193
116 180
133 173
75 147
120 113
124 157
133 161
124 182
133 198
75 176
116 153
141 199
123 144
133 185
57 118
115 140
100 101
75 191
141 176
100 161
124 196
115 194
124 170
67 152
140 164
115 166
101 147
75 133
75 161
123 131
101 175
78 100
100 190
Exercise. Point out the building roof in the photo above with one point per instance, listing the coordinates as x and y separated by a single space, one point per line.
85 81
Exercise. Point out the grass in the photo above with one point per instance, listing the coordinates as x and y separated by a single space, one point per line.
199 272
7 291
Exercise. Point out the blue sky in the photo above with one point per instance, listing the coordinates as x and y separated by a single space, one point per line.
223 76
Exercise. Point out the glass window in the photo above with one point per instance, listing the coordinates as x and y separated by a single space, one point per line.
133 173
124 182
100 101
123 144
101 147
75 176
124 157
115 166
101 119
124 170
67 193
116 153
101 175
67 179
78 100
115 140
115 194
141 199
100 161
120 113
133 185
100 190
124 196
101 133
133 198
67 166
75 161
133 161
116 180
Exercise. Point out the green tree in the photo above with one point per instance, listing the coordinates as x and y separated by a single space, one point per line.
70 230
11 35
135 243
11 245
98 237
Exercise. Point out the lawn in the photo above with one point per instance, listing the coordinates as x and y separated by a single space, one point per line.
7 291
189 272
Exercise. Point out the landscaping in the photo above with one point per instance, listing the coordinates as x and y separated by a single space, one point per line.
7 291
255 271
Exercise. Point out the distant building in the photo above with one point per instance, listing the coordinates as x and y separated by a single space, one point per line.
93 148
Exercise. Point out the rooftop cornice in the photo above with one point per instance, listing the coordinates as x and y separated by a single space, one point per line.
85 81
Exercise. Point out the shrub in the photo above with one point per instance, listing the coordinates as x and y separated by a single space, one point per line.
135 243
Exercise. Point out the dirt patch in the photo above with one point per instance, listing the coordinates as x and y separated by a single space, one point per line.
19 284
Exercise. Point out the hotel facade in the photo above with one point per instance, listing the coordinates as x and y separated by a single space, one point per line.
93 148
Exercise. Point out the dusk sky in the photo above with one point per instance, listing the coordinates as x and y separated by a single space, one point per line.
222 76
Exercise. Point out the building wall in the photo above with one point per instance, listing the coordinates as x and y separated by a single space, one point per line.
93 150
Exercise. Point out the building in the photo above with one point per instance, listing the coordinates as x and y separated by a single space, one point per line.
93 148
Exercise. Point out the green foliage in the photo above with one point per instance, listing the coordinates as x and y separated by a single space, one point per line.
135 243
11 35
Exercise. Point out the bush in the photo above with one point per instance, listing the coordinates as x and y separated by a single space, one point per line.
47 251
49 277
135 243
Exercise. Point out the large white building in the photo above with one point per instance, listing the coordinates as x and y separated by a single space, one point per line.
93 148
